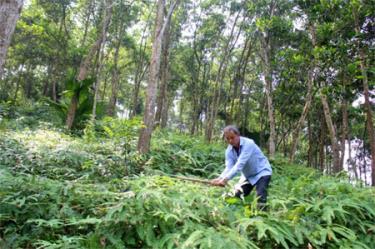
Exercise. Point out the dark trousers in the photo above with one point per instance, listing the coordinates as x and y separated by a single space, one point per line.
261 188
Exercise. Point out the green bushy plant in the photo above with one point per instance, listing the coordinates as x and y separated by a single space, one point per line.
29 116
57 156
182 154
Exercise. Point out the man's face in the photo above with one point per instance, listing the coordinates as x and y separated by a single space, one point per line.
232 138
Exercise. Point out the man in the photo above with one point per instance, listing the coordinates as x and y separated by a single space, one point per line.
243 155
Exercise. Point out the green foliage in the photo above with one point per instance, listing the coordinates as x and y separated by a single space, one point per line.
82 90
177 153
59 191
57 156
116 129
30 116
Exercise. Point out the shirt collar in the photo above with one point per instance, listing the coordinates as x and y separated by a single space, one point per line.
241 143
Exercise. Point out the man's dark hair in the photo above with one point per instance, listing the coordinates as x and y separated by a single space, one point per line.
232 128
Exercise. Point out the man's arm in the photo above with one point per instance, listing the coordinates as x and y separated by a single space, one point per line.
247 151
229 162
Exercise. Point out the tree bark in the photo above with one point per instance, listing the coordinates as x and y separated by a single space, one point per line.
345 121
85 65
115 80
332 134
263 122
28 82
88 13
164 113
107 20
9 13
195 85
322 136
162 101
309 153
310 83
20 74
140 71
367 105
149 115
219 79
344 135
120 29
238 82
266 50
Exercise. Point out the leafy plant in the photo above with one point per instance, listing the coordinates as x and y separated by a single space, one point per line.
60 191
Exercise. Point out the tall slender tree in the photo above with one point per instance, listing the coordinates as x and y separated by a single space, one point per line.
366 92
86 62
149 116
310 83
9 13
162 98
219 78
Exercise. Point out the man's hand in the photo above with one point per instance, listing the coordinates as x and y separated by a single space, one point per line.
219 182
215 181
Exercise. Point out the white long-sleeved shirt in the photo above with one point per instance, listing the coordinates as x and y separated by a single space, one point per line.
250 161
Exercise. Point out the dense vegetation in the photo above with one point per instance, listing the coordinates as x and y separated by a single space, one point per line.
94 191
296 74
103 103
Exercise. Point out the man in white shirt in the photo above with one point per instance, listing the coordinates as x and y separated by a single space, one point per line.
243 155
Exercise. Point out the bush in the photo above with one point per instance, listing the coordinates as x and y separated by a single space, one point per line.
29 116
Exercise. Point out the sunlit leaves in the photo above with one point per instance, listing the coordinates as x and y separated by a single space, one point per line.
43 206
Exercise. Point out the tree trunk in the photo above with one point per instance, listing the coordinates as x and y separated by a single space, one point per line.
247 111
105 85
149 115
120 29
115 82
203 100
162 101
295 135
9 13
263 122
310 83
310 136
86 63
164 114
88 12
350 159
266 50
332 134
322 136
71 111
46 86
345 121
20 73
141 69
364 155
195 86
344 135
219 79
107 19
97 80
238 82
367 105
28 82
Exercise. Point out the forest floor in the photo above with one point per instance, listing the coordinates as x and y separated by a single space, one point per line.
95 191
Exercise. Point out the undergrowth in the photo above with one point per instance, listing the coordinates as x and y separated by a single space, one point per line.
95 191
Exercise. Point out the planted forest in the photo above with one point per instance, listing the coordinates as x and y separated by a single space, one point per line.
118 117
